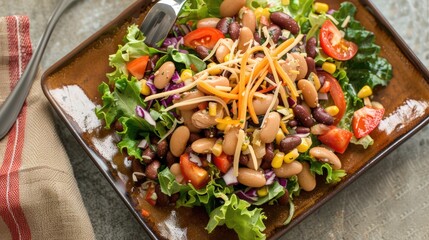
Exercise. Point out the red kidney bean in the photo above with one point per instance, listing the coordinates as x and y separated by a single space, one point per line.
321 116
202 51
289 143
210 132
152 63
162 199
292 123
275 32
170 159
311 65
117 126
136 166
285 22
152 170
244 159
269 152
310 47
223 25
148 155
162 148
234 30
284 200
193 137
302 130
303 115
257 37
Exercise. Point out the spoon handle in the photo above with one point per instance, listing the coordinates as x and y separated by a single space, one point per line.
13 104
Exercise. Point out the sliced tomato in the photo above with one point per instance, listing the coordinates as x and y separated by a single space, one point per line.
206 36
365 120
150 195
336 93
137 67
197 176
336 138
334 44
222 162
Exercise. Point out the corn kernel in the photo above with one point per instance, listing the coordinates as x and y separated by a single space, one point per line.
285 2
187 73
213 70
320 7
277 160
145 89
304 146
332 110
291 156
366 91
227 58
279 136
217 148
283 127
222 126
262 192
329 67
212 109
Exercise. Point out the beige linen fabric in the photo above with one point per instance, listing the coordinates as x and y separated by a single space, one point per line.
39 197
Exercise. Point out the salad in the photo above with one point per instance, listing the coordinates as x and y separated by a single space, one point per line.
244 104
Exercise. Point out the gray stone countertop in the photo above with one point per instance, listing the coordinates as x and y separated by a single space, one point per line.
390 201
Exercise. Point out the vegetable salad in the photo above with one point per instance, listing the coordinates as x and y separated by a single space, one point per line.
243 104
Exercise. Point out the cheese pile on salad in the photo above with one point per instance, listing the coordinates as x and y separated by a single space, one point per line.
243 104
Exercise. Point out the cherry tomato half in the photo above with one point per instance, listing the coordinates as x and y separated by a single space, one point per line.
336 138
197 176
336 93
222 162
334 44
365 120
137 67
205 36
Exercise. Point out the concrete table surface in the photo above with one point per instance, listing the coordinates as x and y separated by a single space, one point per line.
390 201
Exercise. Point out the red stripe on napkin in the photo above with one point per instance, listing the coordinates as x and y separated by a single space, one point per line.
10 207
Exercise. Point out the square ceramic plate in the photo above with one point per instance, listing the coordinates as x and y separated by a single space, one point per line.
71 87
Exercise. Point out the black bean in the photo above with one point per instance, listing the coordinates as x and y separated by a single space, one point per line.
289 143
202 51
234 30
310 47
303 116
275 32
285 22
223 25
321 116
162 148
152 170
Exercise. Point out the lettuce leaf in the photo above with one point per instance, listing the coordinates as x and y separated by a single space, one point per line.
194 10
275 191
235 214
133 47
332 176
182 60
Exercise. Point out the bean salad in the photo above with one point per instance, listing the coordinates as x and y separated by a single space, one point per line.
244 104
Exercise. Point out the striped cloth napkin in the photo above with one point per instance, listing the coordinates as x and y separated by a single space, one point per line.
39 197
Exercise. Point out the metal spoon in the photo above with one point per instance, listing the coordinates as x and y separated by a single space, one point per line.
12 106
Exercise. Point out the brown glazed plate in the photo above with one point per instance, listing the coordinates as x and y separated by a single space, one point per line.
71 87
